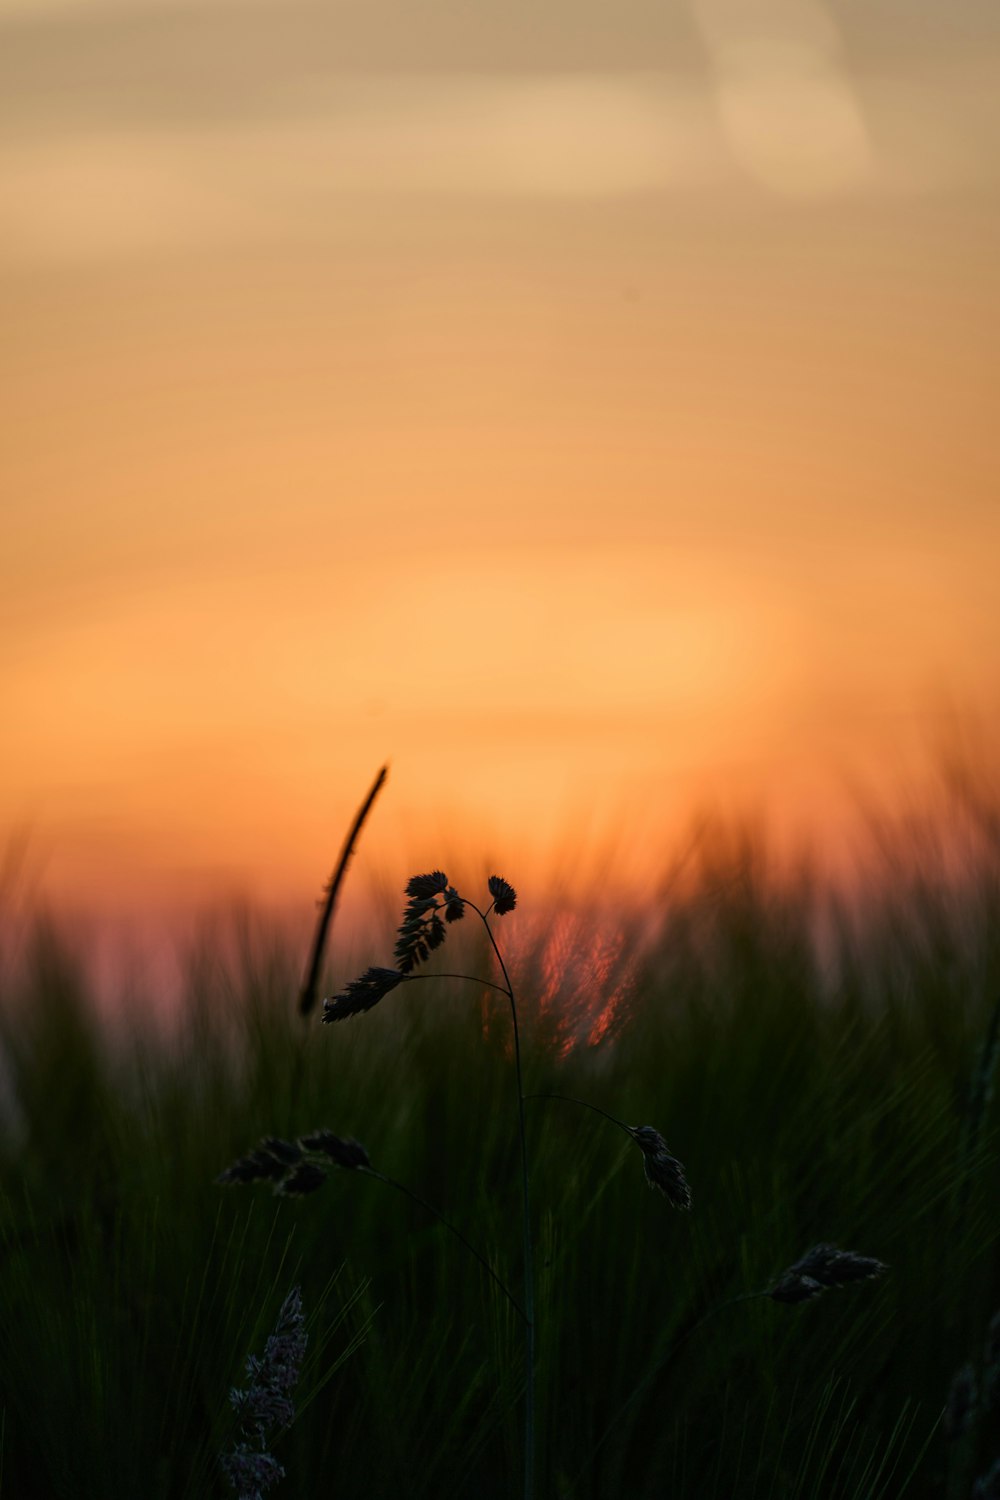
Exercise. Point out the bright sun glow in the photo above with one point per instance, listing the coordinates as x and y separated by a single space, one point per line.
594 421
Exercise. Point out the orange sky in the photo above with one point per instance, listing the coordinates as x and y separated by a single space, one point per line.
589 408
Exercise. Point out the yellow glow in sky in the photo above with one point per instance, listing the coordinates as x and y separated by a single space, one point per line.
591 411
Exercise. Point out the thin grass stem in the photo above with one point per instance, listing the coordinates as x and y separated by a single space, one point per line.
529 1273
310 984
486 983
453 1229
585 1104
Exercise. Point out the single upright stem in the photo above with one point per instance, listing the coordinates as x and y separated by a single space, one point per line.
529 1273
310 984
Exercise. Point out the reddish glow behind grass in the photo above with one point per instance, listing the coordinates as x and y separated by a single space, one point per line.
594 901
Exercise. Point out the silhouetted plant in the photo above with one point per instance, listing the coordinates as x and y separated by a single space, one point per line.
264 1406
310 984
294 1175
432 904
663 1171
302 1166
822 1267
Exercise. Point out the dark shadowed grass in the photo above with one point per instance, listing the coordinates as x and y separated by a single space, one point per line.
812 1096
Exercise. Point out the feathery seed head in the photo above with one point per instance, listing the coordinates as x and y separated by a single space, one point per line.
361 994
663 1171
260 1406
284 1151
254 1167
791 1288
427 886
305 1178
821 1267
833 1267
251 1473
435 932
343 1153
264 1407
286 1347
422 930
504 895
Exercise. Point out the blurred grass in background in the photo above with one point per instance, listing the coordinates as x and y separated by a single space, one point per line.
822 1068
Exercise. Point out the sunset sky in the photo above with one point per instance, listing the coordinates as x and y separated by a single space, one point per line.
589 407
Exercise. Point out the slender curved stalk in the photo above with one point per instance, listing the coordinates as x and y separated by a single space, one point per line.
529 1272
585 1104
643 1385
486 983
651 1375
423 1203
310 984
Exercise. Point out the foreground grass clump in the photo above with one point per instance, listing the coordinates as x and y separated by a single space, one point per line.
301 1167
815 1093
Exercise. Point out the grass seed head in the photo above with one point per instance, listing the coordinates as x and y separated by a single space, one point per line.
264 1406
503 893
251 1473
422 930
284 1151
256 1166
361 994
305 1178
427 886
454 906
821 1267
663 1171
343 1153
794 1287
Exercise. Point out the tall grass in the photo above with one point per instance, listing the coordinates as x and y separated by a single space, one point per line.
817 1089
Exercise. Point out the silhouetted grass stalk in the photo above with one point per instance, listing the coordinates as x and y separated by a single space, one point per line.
302 1166
297 1168
431 898
453 1229
822 1267
663 1171
264 1407
527 1243
310 984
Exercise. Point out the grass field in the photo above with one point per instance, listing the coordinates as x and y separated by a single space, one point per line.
822 1078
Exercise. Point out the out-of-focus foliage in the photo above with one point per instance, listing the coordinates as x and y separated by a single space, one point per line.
825 1074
